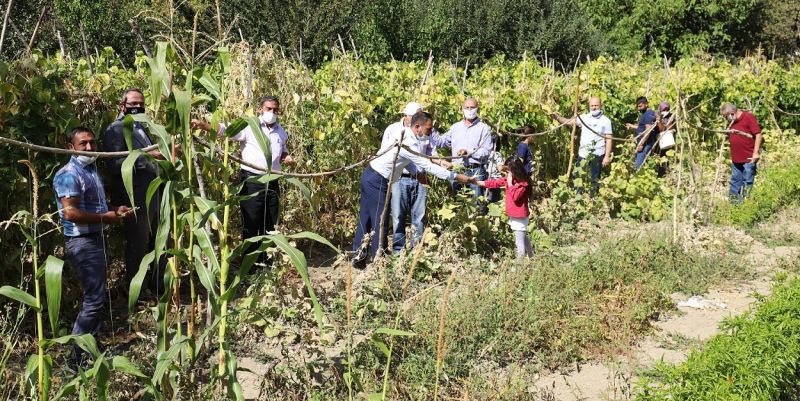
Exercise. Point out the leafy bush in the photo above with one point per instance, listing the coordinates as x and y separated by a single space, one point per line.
757 357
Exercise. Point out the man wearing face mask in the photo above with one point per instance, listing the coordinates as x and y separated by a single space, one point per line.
746 139
260 213
595 141
81 201
646 134
666 122
139 231
409 192
377 178
472 139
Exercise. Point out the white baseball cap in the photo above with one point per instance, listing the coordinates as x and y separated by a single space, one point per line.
412 108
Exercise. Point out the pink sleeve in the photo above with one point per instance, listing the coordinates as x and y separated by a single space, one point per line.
517 192
495 183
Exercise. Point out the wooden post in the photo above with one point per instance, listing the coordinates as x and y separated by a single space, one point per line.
35 30
575 124
5 23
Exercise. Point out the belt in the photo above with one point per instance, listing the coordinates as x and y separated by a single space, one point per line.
86 235
473 165
406 175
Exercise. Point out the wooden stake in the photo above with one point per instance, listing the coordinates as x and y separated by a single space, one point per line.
575 125
35 30
5 23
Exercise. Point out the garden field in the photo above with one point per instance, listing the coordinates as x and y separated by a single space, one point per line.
588 317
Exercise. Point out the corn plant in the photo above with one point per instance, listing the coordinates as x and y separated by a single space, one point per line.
196 253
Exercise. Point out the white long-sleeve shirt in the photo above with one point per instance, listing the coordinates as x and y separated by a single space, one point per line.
383 164
252 153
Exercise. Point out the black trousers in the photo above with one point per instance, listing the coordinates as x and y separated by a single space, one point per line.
139 232
259 213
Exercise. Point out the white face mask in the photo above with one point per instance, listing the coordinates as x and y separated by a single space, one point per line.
596 113
665 113
269 117
85 160
731 117
470 114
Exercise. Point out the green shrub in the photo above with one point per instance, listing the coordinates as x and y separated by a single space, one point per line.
774 189
755 358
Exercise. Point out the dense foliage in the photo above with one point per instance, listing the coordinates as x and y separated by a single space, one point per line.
408 30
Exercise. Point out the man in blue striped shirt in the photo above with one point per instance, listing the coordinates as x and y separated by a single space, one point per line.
81 200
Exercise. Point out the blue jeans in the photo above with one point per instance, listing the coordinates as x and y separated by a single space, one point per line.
408 197
87 257
742 177
595 166
640 156
374 189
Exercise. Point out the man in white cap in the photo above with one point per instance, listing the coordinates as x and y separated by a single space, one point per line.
377 178
409 192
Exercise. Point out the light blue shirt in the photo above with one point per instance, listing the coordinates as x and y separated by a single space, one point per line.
75 180
474 138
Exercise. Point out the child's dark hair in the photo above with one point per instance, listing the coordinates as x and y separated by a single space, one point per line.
517 168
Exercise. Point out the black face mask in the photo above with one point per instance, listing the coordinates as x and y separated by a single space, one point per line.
134 110
642 111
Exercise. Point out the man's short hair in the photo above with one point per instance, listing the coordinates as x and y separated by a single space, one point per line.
727 108
77 130
264 99
421 118
125 93
641 100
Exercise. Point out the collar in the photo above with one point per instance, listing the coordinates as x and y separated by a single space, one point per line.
474 122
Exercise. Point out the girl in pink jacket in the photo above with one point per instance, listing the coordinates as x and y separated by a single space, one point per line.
518 191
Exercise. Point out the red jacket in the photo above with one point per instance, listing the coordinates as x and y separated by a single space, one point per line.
516 196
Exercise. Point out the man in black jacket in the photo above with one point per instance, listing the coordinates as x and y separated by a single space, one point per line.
139 230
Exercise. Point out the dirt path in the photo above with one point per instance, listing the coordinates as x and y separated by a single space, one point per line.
675 334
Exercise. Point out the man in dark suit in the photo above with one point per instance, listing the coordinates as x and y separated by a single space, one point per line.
139 230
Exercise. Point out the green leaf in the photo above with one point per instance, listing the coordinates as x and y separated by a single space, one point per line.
165 359
127 130
235 127
210 84
208 208
53 267
394 332
124 365
127 174
138 280
19 296
315 237
299 262
262 139
154 186
302 187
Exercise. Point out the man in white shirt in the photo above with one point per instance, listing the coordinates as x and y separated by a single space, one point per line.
377 178
260 213
409 192
595 141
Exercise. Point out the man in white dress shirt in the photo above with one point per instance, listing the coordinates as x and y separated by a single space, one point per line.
260 213
377 179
